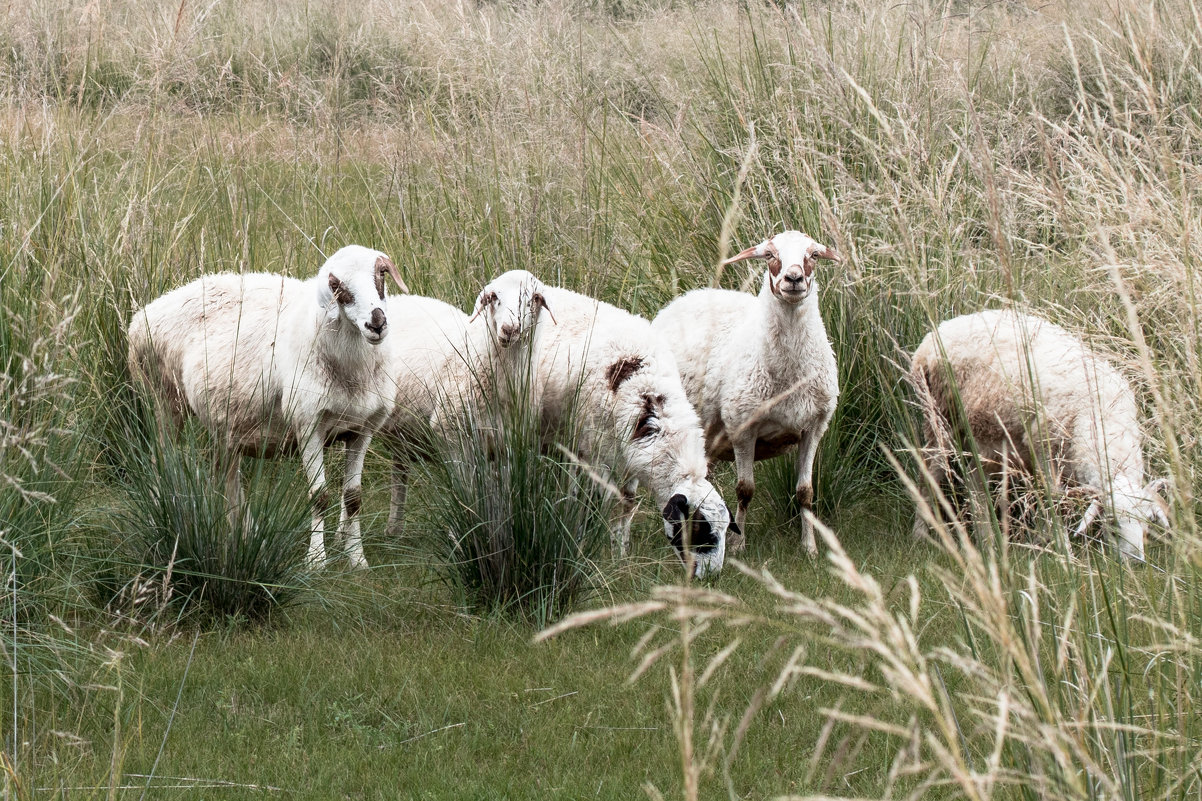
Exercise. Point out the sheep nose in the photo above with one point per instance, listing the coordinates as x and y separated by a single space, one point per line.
794 274
378 322
508 332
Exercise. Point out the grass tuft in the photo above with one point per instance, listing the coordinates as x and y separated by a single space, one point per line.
181 553
518 525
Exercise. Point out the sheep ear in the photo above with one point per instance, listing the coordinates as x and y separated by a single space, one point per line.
1091 514
334 300
676 508
1157 486
733 528
479 306
539 300
757 252
386 263
830 254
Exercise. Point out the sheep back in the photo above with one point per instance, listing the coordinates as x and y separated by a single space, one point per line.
238 352
427 356
1027 388
618 369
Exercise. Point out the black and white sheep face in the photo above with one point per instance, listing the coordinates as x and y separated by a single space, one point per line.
792 259
511 304
696 522
352 287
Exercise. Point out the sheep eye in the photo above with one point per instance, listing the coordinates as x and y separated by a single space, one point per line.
648 425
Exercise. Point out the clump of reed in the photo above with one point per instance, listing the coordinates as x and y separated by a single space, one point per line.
517 521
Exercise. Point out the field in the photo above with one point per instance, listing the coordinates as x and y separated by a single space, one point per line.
959 155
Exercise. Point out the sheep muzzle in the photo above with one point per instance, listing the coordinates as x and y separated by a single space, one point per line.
376 327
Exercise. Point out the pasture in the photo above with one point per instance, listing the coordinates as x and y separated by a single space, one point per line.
959 155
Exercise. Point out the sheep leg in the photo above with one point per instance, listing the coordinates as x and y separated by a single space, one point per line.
744 490
319 498
933 462
233 491
629 506
400 489
352 496
807 448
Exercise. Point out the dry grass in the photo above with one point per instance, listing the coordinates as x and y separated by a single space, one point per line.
960 155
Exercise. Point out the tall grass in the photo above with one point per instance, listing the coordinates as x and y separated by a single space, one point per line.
179 550
520 525
960 155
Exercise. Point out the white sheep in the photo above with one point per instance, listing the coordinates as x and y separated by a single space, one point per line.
427 335
620 375
760 369
270 363
1032 395
442 361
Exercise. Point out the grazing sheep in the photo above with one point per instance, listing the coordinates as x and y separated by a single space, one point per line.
441 354
759 370
1032 394
270 363
614 368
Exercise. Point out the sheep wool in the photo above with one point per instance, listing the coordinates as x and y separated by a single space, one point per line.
1032 393
615 368
274 364
760 369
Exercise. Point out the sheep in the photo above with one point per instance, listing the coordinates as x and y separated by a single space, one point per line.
443 355
620 375
270 364
1032 394
760 370
427 333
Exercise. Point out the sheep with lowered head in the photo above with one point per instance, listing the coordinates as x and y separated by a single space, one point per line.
621 376
1032 394
274 364
760 369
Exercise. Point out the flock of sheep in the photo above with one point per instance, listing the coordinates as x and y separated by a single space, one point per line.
274 364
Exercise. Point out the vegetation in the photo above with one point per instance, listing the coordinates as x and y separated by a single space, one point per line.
518 527
958 154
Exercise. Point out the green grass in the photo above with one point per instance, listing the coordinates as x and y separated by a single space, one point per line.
959 155
354 703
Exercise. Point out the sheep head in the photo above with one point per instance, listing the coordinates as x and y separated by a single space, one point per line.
511 305
351 287
792 260
1135 508
663 447
696 522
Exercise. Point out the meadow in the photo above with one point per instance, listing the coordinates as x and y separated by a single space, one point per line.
959 155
